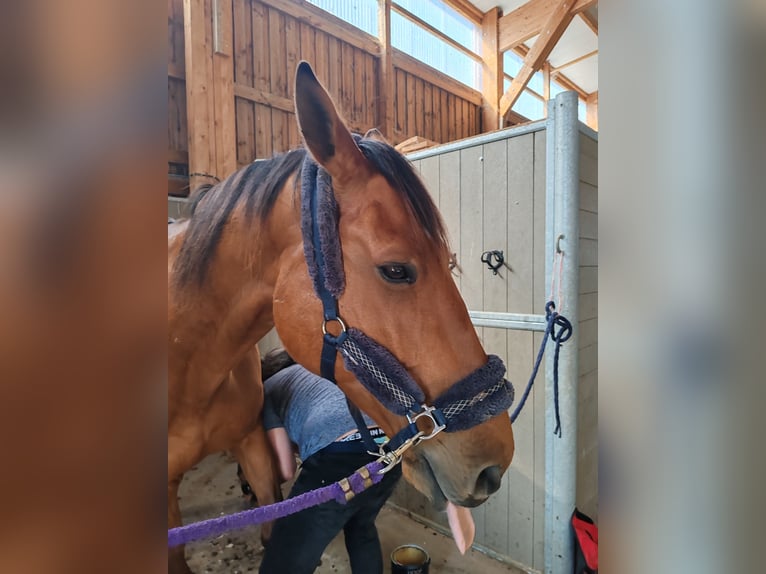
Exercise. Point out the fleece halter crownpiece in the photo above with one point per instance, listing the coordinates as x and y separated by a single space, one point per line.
471 401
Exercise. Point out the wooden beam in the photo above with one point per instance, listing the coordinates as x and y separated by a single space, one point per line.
528 20
467 9
200 113
591 111
436 32
224 117
552 30
557 69
546 87
560 78
326 22
590 21
491 70
265 98
386 87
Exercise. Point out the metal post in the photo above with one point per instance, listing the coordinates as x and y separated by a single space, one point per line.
562 206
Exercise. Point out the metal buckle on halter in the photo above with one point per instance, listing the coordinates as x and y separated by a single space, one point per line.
394 457
426 412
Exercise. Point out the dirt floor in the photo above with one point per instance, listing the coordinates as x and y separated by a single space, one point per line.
212 489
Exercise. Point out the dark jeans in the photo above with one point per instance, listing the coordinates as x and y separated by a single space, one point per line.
298 540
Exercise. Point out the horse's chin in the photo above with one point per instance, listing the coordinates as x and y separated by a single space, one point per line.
419 472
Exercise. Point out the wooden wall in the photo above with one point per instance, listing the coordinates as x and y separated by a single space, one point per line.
268 39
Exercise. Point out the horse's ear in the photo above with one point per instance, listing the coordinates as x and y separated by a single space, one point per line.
325 134
375 134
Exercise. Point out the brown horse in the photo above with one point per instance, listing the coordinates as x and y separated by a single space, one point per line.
239 269
224 414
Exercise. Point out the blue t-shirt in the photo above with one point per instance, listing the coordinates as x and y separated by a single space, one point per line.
312 410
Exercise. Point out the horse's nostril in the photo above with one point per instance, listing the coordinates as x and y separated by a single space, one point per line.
489 480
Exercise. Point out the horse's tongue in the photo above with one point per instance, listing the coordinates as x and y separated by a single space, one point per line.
462 526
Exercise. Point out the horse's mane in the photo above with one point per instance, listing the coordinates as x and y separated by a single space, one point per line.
261 182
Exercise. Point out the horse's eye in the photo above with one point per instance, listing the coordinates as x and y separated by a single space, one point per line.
397 273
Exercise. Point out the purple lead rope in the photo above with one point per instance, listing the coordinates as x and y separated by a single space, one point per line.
216 526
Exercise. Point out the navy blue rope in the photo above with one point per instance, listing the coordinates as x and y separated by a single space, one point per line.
553 320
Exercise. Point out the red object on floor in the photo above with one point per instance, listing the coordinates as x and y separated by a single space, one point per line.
587 538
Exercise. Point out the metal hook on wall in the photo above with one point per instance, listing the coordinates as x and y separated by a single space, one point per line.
488 256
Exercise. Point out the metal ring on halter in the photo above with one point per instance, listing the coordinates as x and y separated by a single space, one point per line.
338 320
426 412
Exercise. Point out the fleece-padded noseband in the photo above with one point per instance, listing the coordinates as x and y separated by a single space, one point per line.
471 401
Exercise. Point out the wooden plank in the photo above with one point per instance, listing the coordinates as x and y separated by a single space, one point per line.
436 124
452 106
551 31
201 146
428 111
326 22
429 74
293 50
419 106
243 43
411 109
263 142
308 43
435 31
528 20
334 66
465 8
357 88
178 138
265 98
491 70
261 50
279 131
444 109
387 89
277 52
244 74
347 82
245 131
464 119
294 136
577 60
370 89
401 102
494 230
321 58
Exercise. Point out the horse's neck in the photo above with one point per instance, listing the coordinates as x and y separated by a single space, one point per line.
213 327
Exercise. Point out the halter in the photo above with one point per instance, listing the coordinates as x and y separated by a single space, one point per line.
471 401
